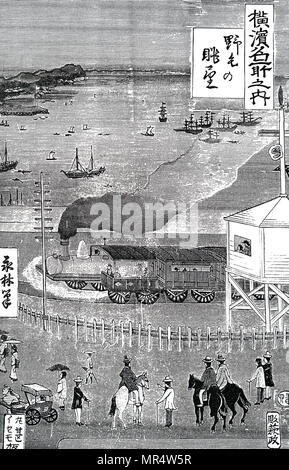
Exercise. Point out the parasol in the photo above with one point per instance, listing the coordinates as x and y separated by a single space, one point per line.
58 367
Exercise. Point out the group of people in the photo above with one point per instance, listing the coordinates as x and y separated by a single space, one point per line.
14 360
264 378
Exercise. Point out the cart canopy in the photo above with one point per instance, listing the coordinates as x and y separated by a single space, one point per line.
36 390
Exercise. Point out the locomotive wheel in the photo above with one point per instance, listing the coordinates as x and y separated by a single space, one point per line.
176 296
147 298
98 286
76 284
32 417
119 297
52 416
203 297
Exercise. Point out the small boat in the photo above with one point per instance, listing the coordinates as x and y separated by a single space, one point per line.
4 123
71 130
237 131
232 141
76 170
85 127
149 131
94 171
51 156
22 128
163 113
225 124
213 137
5 164
248 119
56 133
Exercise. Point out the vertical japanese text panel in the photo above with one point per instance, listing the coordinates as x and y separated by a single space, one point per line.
14 432
218 63
259 56
8 282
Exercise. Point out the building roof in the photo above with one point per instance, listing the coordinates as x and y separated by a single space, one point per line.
126 252
273 213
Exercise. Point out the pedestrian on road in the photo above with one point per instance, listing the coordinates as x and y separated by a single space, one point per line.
259 376
168 399
89 367
268 375
4 351
62 390
78 397
15 363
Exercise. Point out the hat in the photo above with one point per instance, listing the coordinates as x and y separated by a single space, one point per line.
126 360
78 379
207 359
167 379
220 358
267 355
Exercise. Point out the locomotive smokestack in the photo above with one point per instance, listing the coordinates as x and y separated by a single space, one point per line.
65 250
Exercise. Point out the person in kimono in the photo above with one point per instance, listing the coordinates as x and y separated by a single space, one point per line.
62 390
89 367
14 363
223 375
4 351
78 397
259 376
10 398
208 378
268 375
168 399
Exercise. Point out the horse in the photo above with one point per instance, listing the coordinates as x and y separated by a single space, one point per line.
122 398
232 394
215 402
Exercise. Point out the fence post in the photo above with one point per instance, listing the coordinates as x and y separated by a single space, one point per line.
189 333
263 335
275 331
180 337
169 334
102 331
76 328
58 326
121 333
208 337
160 337
25 314
199 335
94 329
85 330
139 334
254 338
130 334
149 336
112 330
284 336
219 336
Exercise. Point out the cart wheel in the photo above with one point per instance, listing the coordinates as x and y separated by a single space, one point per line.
32 417
52 416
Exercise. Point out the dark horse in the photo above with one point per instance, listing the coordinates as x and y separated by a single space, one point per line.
231 395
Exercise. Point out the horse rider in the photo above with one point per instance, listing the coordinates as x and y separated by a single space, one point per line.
129 379
208 378
223 375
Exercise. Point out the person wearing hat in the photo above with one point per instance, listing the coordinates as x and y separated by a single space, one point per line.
259 376
9 397
129 379
168 399
223 375
78 396
268 375
208 378
89 367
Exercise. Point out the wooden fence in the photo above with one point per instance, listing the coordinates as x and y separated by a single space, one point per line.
110 333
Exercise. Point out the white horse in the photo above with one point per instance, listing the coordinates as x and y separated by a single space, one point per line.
122 398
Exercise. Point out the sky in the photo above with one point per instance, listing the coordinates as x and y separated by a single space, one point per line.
116 33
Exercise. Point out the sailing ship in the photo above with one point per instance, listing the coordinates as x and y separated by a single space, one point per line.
191 126
248 119
225 124
71 130
76 170
85 127
51 156
163 113
22 128
149 131
6 164
94 171
206 121
4 123
213 137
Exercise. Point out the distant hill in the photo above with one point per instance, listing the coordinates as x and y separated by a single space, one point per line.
66 73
